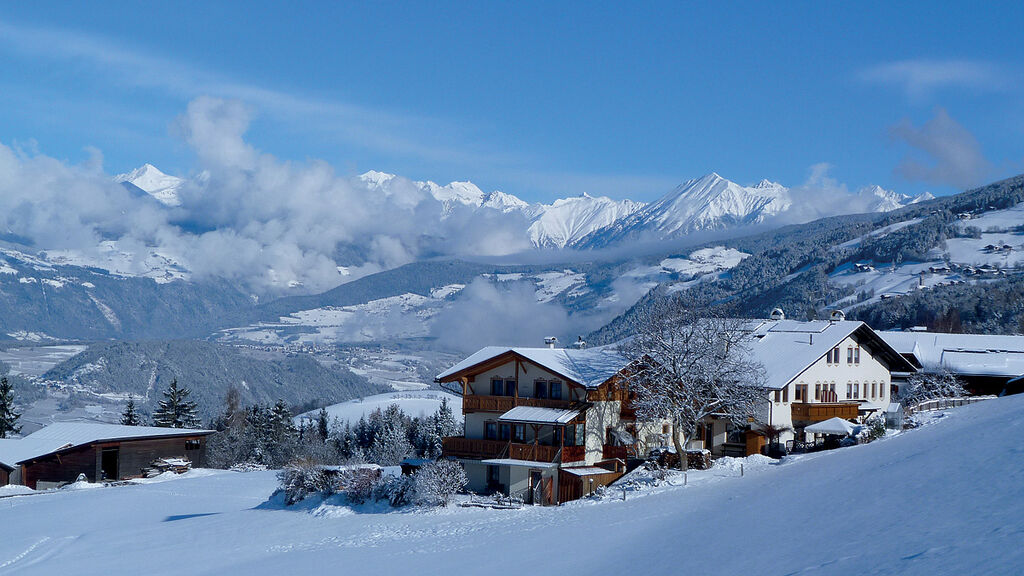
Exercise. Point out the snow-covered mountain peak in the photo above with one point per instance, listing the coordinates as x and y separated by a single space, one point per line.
456 192
714 202
375 179
883 200
566 221
504 202
149 179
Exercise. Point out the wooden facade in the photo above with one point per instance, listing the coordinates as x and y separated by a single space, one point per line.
113 460
482 403
573 487
819 412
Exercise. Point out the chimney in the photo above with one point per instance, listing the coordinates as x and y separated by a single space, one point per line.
810 339
777 314
837 316
580 343
550 341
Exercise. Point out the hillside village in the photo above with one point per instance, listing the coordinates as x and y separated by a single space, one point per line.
662 288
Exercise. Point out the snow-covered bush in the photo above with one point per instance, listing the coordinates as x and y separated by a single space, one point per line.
397 490
359 484
874 429
302 478
437 482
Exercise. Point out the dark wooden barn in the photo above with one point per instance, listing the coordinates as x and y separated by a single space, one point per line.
61 452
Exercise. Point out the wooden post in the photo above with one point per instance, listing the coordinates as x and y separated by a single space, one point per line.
517 382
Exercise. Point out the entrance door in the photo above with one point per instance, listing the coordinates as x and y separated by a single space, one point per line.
535 493
108 463
709 437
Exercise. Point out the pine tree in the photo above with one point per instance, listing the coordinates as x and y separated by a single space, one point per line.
130 417
175 410
322 425
8 416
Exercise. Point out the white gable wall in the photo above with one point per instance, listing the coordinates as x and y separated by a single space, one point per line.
844 375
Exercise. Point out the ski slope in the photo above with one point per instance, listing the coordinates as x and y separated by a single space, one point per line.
944 499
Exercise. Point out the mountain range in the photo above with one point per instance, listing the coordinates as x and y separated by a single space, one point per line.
710 202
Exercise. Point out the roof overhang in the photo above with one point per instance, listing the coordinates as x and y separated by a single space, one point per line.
536 415
499 360
521 463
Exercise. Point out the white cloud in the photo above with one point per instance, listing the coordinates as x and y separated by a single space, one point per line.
942 152
918 78
247 216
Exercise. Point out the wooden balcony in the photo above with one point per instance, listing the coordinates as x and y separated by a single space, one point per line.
479 448
620 452
808 412
481 403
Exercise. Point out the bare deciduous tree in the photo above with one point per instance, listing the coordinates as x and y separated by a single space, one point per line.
687 367
929 385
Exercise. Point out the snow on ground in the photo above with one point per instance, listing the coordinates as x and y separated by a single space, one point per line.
947 498
413 403
704 261
551 284
883 231
885 281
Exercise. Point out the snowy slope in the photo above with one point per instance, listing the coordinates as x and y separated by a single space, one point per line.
152 181
418 403
910 504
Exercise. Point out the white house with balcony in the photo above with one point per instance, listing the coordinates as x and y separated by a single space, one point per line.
817 370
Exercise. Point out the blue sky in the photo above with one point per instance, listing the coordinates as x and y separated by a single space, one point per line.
537 99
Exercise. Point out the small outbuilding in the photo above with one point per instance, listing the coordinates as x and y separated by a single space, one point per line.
60 452
894 416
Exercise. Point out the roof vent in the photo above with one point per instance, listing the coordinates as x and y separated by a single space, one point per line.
777 314
837 316
550 341
580 343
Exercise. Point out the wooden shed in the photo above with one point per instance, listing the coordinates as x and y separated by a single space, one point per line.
59 453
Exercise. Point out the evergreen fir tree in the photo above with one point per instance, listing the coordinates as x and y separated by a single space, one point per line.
8 416
130 417
322 425
176 411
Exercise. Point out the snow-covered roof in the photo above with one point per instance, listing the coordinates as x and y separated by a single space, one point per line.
514 462
586 470
588 367
534 415
784 347
62 435
968 354
788 347
835 425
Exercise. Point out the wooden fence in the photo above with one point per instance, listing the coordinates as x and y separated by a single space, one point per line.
943 403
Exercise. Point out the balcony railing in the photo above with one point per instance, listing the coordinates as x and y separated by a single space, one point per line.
807 412
480 403
620 452
479 448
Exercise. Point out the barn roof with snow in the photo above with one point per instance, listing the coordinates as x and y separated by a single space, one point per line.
67 435
963 354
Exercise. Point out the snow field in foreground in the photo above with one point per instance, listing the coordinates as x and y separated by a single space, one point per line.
947 498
